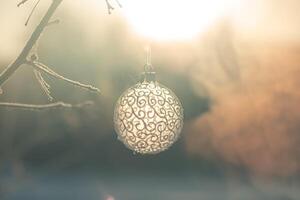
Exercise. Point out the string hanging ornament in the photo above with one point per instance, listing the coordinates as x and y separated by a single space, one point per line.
148 116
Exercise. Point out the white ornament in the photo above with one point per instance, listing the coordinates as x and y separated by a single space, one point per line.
148 117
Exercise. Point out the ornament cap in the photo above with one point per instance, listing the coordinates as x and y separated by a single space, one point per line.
148 76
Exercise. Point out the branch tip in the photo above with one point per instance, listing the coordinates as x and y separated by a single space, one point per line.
53 22
32 11
22 2
109 6
119 4
44 85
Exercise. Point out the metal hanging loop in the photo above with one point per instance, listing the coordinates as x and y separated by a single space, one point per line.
149 73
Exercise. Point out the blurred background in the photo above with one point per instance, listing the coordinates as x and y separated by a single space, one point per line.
234 64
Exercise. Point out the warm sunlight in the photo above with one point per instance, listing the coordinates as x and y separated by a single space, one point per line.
85 115
173 19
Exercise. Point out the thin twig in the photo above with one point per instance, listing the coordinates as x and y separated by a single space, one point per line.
119 4
109 6
32 11
42 107
41 67
22 2
53 22
44 85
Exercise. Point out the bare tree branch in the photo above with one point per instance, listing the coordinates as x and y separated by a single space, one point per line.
42 107
41 67
21 59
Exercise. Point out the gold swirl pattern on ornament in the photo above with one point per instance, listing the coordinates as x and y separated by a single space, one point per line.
148 118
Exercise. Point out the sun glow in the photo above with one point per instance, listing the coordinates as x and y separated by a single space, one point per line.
173 19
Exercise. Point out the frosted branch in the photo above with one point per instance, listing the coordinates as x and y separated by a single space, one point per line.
41 67
25 57
34 107
44 85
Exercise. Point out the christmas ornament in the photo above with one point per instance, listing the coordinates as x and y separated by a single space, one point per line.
148 117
